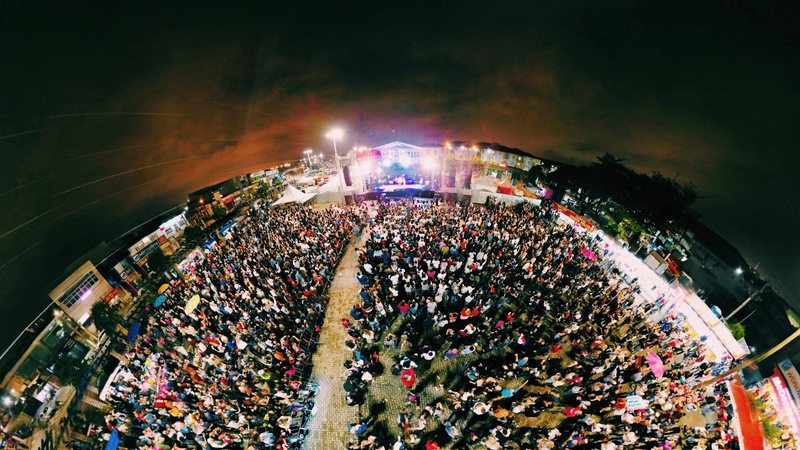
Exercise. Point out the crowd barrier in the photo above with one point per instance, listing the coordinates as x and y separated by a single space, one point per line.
301 413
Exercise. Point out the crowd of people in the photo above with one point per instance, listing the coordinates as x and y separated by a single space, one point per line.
506 328
228 372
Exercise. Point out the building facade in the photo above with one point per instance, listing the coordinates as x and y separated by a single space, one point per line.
81 289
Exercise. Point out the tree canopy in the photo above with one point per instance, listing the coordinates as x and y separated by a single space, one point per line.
651 199
106 318
158 261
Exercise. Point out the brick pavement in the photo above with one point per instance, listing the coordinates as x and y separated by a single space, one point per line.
327 429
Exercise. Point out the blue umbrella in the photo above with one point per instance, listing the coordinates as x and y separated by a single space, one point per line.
159 300
113 441
133 331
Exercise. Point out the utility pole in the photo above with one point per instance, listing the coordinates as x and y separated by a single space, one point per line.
752 297
755 360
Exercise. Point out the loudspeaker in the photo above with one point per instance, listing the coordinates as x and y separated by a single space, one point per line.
468 180
346 173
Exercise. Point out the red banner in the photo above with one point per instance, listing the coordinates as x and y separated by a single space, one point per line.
111 294
577 218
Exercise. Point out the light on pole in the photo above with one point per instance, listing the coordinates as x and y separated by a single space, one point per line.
754 360
308 153
749 299
334 134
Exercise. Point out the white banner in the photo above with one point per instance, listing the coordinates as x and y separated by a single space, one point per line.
634 402
792 378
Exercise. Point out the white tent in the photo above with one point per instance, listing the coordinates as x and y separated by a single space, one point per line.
303 179
484 183
489 183
293 195
331 186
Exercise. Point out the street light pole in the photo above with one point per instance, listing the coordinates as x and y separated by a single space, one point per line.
749 299
755 360
336 133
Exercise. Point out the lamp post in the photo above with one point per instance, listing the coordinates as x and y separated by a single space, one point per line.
308 153
334 134
749 299
754 360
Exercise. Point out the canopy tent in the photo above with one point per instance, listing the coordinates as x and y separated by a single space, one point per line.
491 184
305 179
484 183
332 185
293 195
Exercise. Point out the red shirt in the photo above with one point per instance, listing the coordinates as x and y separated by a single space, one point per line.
408 377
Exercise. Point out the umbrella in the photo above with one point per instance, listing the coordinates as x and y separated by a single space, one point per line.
656 365
163 288
192 304
133 331
159 300
113 441
408 377
588 254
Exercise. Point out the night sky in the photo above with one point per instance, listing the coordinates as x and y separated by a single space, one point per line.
110 116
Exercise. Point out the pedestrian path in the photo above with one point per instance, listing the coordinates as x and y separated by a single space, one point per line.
327 429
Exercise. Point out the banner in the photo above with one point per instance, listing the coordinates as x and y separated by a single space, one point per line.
635 402
786 408
792 378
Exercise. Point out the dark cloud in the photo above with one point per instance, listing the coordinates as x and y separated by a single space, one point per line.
113 113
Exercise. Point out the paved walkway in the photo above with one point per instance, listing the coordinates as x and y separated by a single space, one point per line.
327 429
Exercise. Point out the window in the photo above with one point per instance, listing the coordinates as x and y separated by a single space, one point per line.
79 290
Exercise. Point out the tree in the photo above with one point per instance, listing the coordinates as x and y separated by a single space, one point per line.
262 191
737 330
68 371
106 318
651 200
157 261
535 173
219 211
192 235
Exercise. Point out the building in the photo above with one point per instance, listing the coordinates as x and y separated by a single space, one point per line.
79 291
164 238
40 381
225 195
490 159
